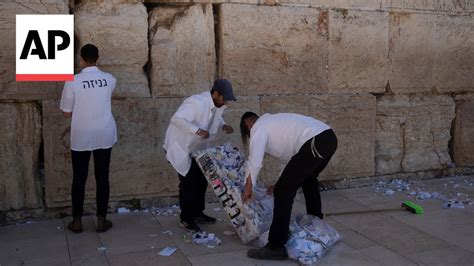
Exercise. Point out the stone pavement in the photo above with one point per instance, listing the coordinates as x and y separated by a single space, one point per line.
439 236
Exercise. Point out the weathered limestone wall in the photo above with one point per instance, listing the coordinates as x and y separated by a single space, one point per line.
394 78
20 182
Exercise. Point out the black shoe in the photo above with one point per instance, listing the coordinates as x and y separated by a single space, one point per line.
103 224
204 219
267 253
190 226
75 225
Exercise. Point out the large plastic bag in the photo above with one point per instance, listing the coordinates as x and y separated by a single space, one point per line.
310 238
223 167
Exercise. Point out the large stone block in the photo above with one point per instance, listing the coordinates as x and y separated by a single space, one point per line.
272 50
411 52
410 4
358 51
250 2
454 44
469 6
233 114
20 131
355 4
412 133
463 134
112 1
454 5
119 30
183 57
351 116
9 88
138 167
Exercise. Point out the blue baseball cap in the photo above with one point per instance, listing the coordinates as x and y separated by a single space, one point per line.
224 87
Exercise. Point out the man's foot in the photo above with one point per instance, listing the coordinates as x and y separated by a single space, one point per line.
103 224
75 225
204 219
267 253
190 226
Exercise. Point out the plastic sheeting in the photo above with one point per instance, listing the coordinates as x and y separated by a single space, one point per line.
223 166
310 238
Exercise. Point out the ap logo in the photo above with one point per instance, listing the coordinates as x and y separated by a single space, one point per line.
44 47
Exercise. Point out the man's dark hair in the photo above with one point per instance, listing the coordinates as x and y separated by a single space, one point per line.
90 53
244 131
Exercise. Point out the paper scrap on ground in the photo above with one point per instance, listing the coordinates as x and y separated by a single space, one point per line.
123 210
172 210
168 251
417 190
202 238
168 233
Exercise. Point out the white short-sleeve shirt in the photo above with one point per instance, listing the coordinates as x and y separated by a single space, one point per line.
88 97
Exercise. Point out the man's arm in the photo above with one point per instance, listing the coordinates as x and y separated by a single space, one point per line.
184 116
258 144
67 100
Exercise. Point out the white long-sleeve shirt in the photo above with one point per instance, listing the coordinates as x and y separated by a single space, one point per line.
196 112
88 97
280 135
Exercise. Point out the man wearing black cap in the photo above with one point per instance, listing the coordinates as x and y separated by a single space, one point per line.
198 117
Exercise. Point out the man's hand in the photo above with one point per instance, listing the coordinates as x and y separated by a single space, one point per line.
67 114
203 133
270 189
247 194
227 129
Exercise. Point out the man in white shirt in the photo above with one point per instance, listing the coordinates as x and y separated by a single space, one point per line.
307 145
198 117
87 100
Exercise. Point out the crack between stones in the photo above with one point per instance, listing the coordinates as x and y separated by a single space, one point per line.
402 126
216 9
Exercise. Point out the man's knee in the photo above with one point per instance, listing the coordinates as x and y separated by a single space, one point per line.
283 191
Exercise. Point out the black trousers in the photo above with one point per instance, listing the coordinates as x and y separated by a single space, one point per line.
192 193
301 171
80 167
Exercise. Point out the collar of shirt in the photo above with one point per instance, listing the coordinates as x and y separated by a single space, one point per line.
211 105
90 69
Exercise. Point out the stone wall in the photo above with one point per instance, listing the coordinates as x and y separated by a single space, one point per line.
394 78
